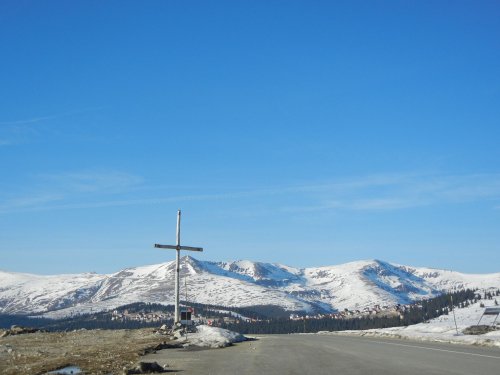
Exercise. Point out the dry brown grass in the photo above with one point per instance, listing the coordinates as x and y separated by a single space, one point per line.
94 351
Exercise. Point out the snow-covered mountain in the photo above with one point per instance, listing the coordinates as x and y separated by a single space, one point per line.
241 283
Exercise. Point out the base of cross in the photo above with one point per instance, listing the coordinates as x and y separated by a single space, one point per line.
177 326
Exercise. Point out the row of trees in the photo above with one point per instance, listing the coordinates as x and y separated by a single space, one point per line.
270 319
413 314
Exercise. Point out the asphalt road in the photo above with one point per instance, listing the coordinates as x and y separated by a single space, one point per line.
331 354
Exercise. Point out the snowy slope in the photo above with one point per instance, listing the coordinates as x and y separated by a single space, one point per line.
21 292
449 280
241 283
443 328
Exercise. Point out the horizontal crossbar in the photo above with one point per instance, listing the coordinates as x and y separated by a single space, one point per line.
173 247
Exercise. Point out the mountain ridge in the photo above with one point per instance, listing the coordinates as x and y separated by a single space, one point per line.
241 283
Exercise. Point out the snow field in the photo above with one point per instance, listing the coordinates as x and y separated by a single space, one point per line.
442 328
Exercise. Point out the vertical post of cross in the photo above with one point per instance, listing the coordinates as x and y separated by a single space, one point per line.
178 249
177 267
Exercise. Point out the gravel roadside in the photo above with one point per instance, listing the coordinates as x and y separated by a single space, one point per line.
94 351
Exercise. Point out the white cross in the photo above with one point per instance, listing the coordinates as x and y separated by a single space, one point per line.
178 249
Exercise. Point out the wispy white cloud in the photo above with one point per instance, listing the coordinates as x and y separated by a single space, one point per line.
400 191
16 134
358 182
389 192
92 181
37 119
383 204
23 130
73 201
29 121
53 191
29 202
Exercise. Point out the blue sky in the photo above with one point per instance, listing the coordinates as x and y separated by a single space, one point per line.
301 132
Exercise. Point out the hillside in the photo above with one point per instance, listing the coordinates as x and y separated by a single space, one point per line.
240 283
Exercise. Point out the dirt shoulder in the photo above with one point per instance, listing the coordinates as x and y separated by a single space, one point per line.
94 351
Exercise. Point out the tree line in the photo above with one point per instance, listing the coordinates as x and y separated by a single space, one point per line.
411 314
266 318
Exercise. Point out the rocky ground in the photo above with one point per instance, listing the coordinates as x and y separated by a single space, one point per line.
94 351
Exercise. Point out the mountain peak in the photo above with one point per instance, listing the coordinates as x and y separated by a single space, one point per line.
191 265
239 283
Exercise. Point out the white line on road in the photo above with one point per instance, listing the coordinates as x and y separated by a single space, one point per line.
438 350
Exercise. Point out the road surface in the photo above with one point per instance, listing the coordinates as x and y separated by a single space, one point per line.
332 354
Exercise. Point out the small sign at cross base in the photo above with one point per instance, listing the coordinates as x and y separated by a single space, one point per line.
186 316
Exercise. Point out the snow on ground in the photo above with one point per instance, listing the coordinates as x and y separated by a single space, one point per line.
212 337
442 329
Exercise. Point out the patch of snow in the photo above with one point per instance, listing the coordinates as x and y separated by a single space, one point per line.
213 337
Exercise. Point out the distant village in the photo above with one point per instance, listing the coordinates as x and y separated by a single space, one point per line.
145 317
376 310
221 317
160 317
